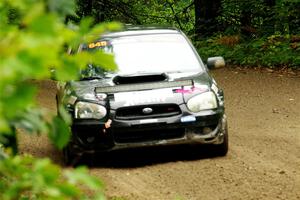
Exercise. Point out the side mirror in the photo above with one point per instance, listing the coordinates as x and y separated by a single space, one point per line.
215 62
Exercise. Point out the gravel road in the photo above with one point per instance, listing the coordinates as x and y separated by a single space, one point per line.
263 162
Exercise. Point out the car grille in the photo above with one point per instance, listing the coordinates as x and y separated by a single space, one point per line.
139 112
148 135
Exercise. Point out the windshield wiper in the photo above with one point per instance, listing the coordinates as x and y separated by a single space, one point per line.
140 73
88 78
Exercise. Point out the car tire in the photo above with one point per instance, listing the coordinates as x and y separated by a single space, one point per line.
57 105
68 156
222 149
72 155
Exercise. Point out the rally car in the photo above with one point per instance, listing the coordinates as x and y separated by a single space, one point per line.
161 94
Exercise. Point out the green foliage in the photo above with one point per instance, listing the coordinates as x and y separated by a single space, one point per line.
59 132
265 29
230 16
254 18
33 42
169 13
260 18
272 51
143 12
29 178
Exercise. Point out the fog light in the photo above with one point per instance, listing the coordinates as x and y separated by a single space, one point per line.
206 130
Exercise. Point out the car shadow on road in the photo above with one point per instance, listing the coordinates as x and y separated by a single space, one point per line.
141 157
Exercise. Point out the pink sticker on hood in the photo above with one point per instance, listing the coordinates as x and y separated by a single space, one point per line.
191 90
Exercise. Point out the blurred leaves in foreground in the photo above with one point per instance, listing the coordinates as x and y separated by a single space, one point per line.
29 178
34 40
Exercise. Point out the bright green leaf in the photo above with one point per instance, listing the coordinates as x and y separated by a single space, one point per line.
59 132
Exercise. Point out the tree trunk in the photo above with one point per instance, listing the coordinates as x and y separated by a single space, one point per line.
270 3
86 7
99 10
206 13
269 19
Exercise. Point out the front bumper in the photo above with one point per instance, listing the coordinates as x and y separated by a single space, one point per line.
91 136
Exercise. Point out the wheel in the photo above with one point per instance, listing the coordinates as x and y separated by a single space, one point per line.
69 157
222 149
57 105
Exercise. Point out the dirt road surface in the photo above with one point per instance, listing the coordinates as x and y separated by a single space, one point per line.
263 110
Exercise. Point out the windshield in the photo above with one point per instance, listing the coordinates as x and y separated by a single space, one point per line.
153 53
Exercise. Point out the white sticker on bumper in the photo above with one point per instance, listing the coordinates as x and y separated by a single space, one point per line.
148 121
189 118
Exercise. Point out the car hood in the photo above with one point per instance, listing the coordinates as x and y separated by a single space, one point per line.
201 82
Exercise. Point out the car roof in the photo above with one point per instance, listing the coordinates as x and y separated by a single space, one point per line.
141 30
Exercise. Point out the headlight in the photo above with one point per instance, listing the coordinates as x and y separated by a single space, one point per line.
202 101
84 110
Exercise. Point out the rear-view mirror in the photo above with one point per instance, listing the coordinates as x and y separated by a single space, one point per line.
215 62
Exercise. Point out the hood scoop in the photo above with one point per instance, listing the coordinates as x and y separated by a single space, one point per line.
148 78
